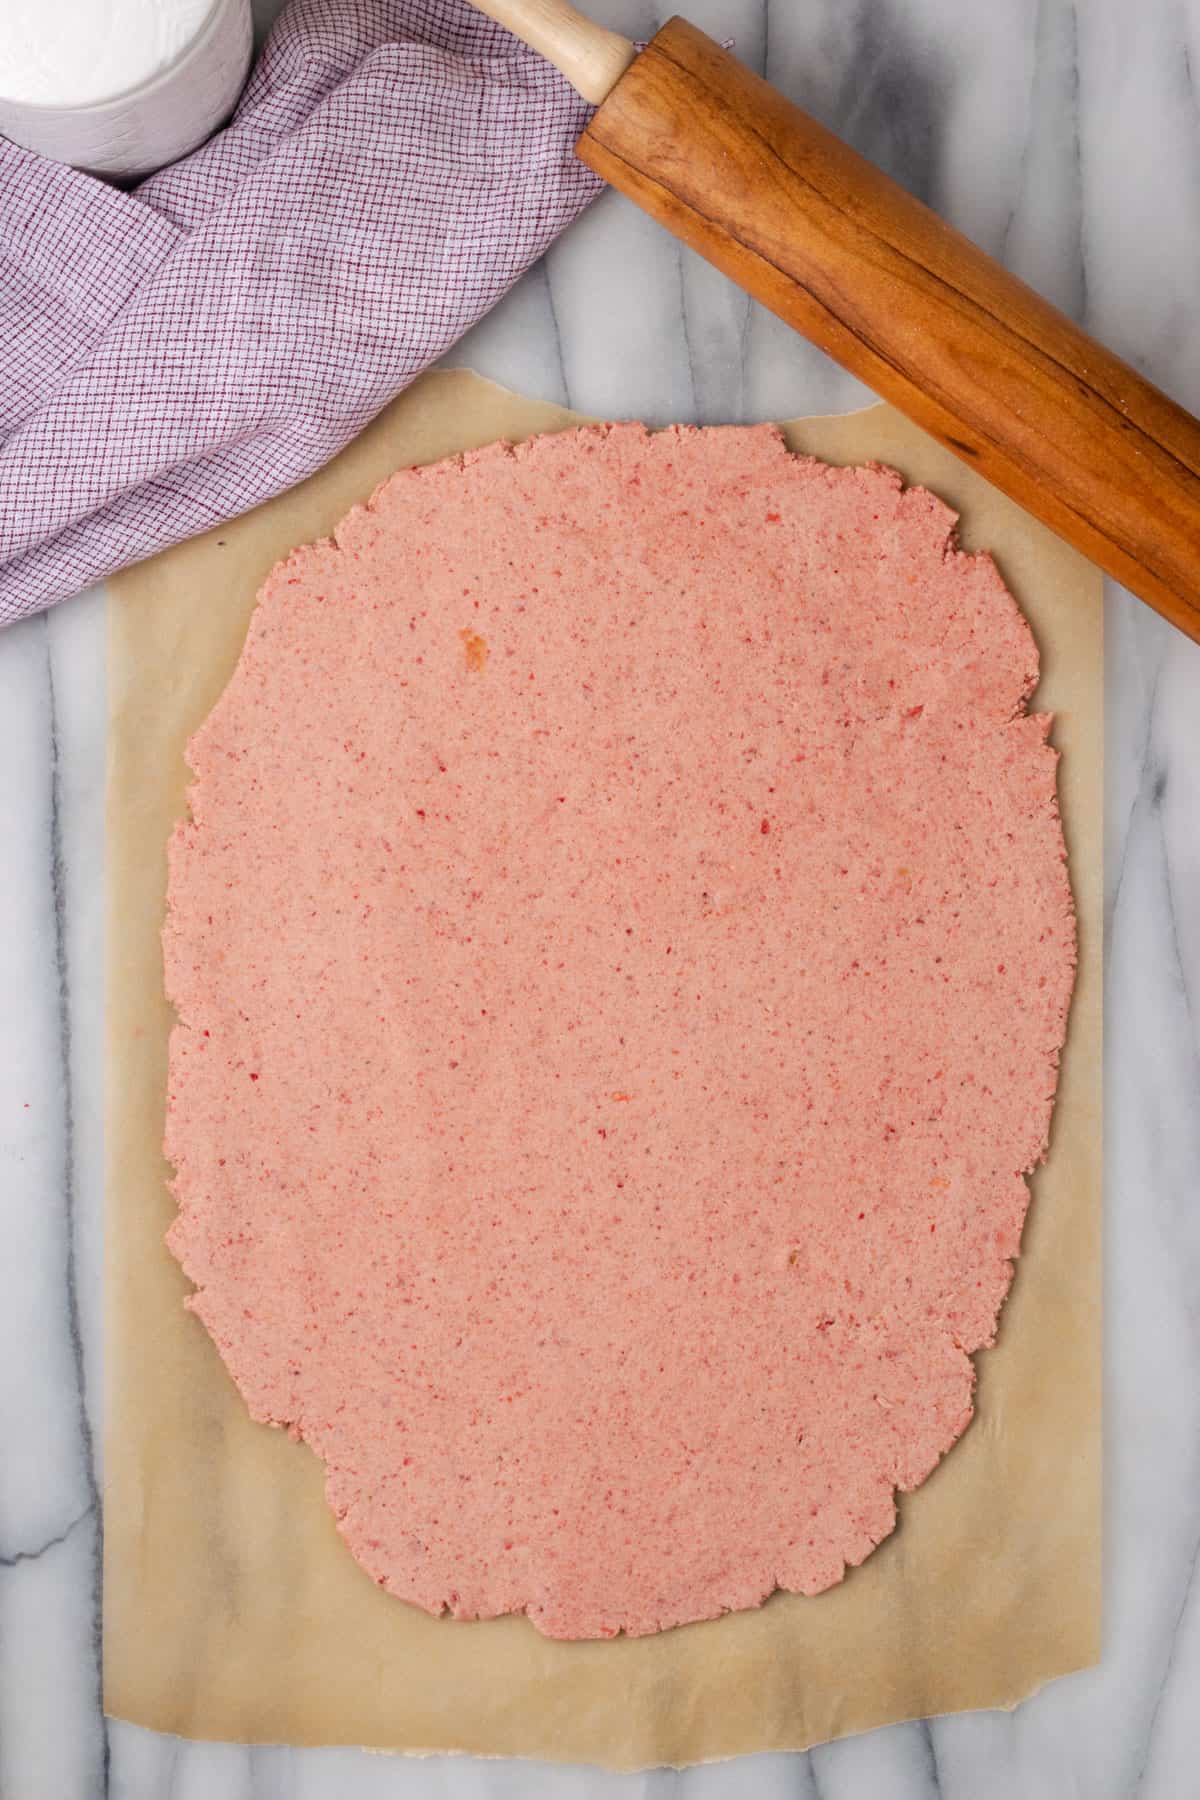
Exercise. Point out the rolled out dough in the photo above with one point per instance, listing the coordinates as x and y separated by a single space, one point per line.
622 947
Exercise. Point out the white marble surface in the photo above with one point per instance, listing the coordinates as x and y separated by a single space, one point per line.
1065 137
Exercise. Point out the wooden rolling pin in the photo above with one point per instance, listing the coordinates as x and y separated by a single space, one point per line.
904 302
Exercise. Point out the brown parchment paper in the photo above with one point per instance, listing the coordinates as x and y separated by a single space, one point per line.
232 1609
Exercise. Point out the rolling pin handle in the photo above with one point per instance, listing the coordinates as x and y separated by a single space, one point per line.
592 59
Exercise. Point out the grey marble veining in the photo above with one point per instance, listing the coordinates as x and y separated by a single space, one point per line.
1064 136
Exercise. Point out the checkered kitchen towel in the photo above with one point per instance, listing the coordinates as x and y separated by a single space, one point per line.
172 356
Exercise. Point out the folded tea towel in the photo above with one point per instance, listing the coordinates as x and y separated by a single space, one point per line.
172 356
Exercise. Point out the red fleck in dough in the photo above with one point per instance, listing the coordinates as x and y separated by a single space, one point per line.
622 948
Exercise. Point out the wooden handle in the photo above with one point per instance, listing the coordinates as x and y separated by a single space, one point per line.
592 59
919 313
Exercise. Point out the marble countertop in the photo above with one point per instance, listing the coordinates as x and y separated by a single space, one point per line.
1064 136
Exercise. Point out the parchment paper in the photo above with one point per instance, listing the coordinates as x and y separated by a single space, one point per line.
232 1609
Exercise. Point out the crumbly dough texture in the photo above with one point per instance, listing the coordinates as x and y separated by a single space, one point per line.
622 947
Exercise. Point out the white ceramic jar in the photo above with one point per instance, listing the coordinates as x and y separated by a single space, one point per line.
126 134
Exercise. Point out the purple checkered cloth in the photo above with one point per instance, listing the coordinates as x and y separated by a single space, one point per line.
172 356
